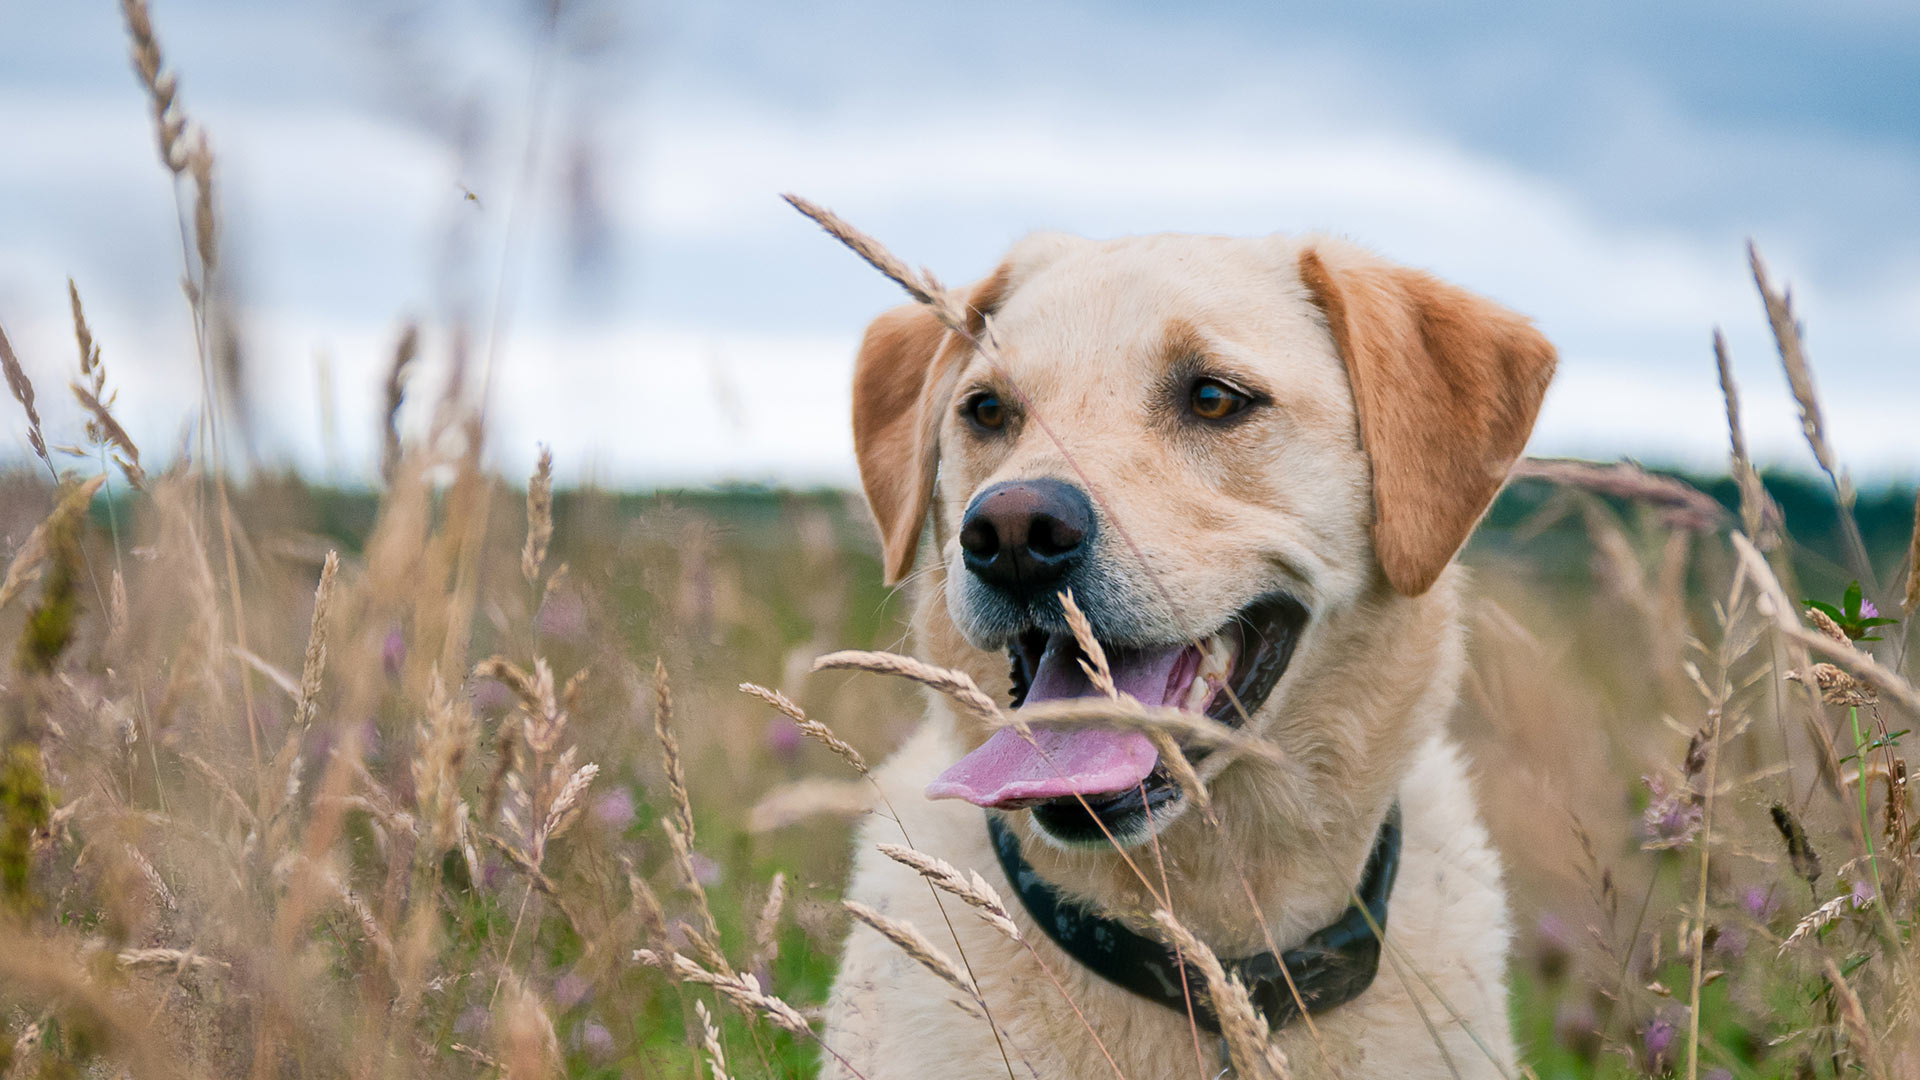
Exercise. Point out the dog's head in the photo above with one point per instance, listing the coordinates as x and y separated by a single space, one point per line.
1217 445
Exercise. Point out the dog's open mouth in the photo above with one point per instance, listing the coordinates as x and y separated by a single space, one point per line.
1079 779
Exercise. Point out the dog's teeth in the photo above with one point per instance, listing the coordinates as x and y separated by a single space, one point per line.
1216 663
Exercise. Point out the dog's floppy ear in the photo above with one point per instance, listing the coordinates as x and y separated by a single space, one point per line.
904 359
896 452
1447 385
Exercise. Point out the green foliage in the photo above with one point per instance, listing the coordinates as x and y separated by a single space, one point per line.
1852 615
26 806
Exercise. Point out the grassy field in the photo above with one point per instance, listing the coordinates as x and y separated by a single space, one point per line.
299 782
348 858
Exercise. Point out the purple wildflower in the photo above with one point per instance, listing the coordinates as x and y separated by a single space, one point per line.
1868 610
1672 819
1656 1040
393 652
596 1039
1576 1026
784 738
471 1021
706 870
570 990
489 696
1556 946
563 616
614 809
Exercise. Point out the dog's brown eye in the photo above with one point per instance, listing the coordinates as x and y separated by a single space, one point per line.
1211 399
986 411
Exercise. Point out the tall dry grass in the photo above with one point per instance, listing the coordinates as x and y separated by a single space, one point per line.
470 787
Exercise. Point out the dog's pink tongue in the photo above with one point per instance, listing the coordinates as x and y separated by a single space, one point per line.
1007 770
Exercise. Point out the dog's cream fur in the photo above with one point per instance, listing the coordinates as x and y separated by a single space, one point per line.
1397 405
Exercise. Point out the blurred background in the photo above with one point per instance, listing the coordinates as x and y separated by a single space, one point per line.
583 199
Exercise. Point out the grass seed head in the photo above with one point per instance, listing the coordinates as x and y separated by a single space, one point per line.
539 517
813 729
908 938
971 887
1249 1043
956 685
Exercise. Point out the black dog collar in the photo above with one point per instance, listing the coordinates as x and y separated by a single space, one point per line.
1330 968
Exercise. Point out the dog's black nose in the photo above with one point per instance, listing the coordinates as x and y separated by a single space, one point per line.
1025 535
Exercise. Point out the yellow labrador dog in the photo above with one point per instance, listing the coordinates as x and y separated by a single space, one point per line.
1252 462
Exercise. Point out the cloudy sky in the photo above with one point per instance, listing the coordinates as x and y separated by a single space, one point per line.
663 318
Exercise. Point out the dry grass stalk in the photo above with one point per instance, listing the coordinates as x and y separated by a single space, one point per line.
118 613
957 685
970 887
200 165
1824 623
161 86
1175 761
539 517
369 925
1772 602
91 391
544 713
566 806
803 800
506 754
445 739
1865 669
1866 1049
1682 505
524 1040
766 928
908 938
1249 1044
1793 358
27 562
395 394
26 1052
706 938
538 878
1094 660
710 1038
540 808
646 906
218 779
1760 516
921 284
743 990
1786 333
314 668
1911 604
22 388
813 729
1126 714
1836 687
173 961
1816 919
670 750
477 1056
1100 674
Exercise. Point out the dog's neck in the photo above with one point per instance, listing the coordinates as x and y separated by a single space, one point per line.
1284 845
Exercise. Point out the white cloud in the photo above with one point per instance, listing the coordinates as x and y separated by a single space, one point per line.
332 196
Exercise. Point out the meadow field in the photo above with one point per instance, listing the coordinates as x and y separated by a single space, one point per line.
463 776
395 805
